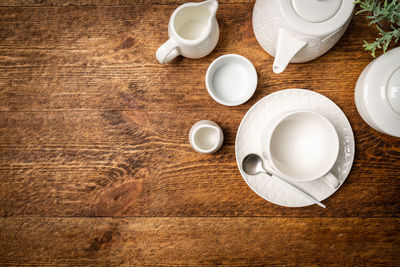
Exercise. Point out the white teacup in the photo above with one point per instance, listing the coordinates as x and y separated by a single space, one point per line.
302 146
193 31
206 137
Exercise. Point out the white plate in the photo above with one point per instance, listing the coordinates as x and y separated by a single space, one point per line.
249 140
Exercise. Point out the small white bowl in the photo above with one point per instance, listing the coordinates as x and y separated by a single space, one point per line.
231 80
206 137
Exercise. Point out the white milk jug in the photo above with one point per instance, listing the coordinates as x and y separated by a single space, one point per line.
193 32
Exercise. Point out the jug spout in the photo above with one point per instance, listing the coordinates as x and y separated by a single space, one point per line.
286 48
212 6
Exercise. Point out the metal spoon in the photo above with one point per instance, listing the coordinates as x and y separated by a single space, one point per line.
252 164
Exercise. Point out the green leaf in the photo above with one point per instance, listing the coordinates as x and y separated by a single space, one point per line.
387 12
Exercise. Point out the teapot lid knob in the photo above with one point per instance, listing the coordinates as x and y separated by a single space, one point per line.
316 17
393 91
316 10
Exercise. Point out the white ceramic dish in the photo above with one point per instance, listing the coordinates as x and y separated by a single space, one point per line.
251 133
231 80
206 137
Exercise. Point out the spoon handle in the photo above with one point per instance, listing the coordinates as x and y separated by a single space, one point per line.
294 188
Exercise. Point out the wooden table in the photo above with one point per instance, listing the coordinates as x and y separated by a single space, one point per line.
95 163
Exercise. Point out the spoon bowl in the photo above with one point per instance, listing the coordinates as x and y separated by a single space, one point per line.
252 165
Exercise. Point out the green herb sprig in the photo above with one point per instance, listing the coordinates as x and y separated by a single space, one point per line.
386 12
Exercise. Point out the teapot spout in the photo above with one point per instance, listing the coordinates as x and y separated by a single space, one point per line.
212 6
287 47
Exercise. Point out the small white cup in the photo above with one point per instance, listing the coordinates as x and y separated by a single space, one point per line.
302 146
231 79
193 31
206 137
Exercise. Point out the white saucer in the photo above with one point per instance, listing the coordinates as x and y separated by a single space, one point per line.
249 140
231 80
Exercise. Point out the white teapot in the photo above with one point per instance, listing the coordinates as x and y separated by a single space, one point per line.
299 30
377 93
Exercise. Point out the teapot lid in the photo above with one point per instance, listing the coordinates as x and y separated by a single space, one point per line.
381 92
316 17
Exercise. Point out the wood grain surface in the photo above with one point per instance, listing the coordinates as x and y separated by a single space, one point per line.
95 163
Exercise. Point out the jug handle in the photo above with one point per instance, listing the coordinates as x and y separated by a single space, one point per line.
167 52
286 48
331 180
